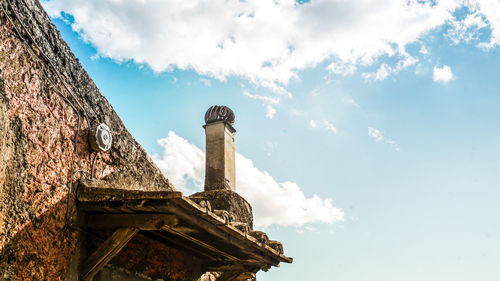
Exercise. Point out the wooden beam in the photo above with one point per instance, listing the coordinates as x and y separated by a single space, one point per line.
140 221
199 243
106 251
187 211
185 229
181 244
236 276
190 213
220 231
244 266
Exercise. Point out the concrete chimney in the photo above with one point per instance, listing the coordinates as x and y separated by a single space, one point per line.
220 178
220 173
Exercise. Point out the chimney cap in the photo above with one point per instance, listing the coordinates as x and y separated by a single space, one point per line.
219 113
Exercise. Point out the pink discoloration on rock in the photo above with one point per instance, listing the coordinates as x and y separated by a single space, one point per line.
38 163
43 245
41 251
48 125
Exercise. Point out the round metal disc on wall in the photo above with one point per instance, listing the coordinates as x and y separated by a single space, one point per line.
100 138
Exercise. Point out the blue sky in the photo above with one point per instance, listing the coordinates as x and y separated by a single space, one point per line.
381 131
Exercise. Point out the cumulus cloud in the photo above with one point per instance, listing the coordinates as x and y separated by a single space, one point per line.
264 42
377 135
443 74
467 29
483 11
181 161
274 203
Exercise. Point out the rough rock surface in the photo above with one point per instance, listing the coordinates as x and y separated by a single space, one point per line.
156 261
229 201
38 163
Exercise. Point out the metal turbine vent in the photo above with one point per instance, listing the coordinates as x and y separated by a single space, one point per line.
219 113
100 138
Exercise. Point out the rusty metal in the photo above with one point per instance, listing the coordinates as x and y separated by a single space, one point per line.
218 113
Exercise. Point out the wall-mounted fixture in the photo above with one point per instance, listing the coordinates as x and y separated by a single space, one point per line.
100 138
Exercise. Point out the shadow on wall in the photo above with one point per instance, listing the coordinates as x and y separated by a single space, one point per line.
41 250
46 249
155 260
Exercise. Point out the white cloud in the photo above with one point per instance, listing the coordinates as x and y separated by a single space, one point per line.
382 72
325 125
484 11
443 74
313 124
379 137
342 68
386 70
315 93
423 50
265 42
273 203
329 126
182 163
466 30
297 112
206 82
350 101
375 134
268 102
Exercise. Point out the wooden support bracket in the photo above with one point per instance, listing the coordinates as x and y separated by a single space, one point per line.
106 251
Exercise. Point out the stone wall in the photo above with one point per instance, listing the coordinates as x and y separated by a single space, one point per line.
40 116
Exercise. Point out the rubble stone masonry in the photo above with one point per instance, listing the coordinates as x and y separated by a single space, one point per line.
39 165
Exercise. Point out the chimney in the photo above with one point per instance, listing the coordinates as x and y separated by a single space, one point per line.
219 163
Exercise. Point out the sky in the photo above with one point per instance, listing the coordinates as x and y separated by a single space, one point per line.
367 131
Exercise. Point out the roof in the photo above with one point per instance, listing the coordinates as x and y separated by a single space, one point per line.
175 219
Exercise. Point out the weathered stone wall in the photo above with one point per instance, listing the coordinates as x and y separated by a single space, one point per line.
157 261
38 163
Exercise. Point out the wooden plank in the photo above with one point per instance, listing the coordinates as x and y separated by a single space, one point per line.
90 192
106 251
141 221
